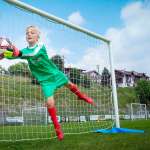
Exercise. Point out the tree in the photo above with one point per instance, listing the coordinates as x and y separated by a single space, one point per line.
85 81
143 91
2 70
20 68
105 78
58 61
74 75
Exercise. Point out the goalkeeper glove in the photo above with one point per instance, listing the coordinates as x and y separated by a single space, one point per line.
8 54
12 54
15 51
11 51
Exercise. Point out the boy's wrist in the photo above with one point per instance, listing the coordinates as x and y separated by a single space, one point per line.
16 51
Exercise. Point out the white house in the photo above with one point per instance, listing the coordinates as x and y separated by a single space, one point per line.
94 76
128 78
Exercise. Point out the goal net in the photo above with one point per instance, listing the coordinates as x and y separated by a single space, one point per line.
138 111
82 56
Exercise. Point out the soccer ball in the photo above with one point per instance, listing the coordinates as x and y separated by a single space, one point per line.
5 44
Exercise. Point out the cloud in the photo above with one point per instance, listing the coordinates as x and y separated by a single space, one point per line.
65 52
93 57
76 18
130 43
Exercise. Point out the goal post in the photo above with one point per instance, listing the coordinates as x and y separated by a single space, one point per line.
22 99
138 111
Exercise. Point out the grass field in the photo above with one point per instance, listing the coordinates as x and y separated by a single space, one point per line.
28 132
94 141
17 91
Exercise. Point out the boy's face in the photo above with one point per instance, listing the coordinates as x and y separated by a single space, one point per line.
32 36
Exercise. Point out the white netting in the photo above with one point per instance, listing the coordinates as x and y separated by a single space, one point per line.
138 111
82 58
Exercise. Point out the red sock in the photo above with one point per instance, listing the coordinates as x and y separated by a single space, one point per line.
76 90
81 95
52 113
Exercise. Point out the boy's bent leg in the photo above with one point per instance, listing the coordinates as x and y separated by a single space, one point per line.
80 95
53 114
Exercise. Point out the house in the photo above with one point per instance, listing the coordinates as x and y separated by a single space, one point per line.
128 78
94 76
69 70
123 78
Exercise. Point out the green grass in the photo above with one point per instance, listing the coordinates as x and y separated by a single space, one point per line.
25 91
126 96
26 132
91 141
22 89
18 91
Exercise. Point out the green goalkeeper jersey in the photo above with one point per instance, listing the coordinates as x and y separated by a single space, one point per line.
43 69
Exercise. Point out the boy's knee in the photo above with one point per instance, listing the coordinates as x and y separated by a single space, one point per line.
50 102
69 84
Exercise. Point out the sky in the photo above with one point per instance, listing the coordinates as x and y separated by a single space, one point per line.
125 22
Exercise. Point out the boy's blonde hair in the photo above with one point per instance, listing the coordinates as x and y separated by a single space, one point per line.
34 27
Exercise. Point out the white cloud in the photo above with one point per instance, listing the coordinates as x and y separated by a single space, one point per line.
65 52
130 43
76 18
93 57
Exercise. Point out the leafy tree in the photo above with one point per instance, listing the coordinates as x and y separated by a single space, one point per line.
143 91
20 68
105 78
85 81
74 75
58 61
2 70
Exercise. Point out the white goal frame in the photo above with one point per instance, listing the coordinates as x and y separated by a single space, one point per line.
141 113
83 30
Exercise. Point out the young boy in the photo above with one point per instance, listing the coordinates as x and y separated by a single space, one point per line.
46 72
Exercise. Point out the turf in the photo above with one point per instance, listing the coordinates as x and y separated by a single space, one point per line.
91 141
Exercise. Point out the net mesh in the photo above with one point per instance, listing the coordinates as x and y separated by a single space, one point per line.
84 59
138 111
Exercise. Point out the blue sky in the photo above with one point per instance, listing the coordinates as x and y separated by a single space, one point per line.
125 22
99 14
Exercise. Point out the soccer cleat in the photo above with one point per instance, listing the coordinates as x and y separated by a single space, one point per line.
87 99
60 134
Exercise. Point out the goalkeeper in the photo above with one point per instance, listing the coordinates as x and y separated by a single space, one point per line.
46 73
